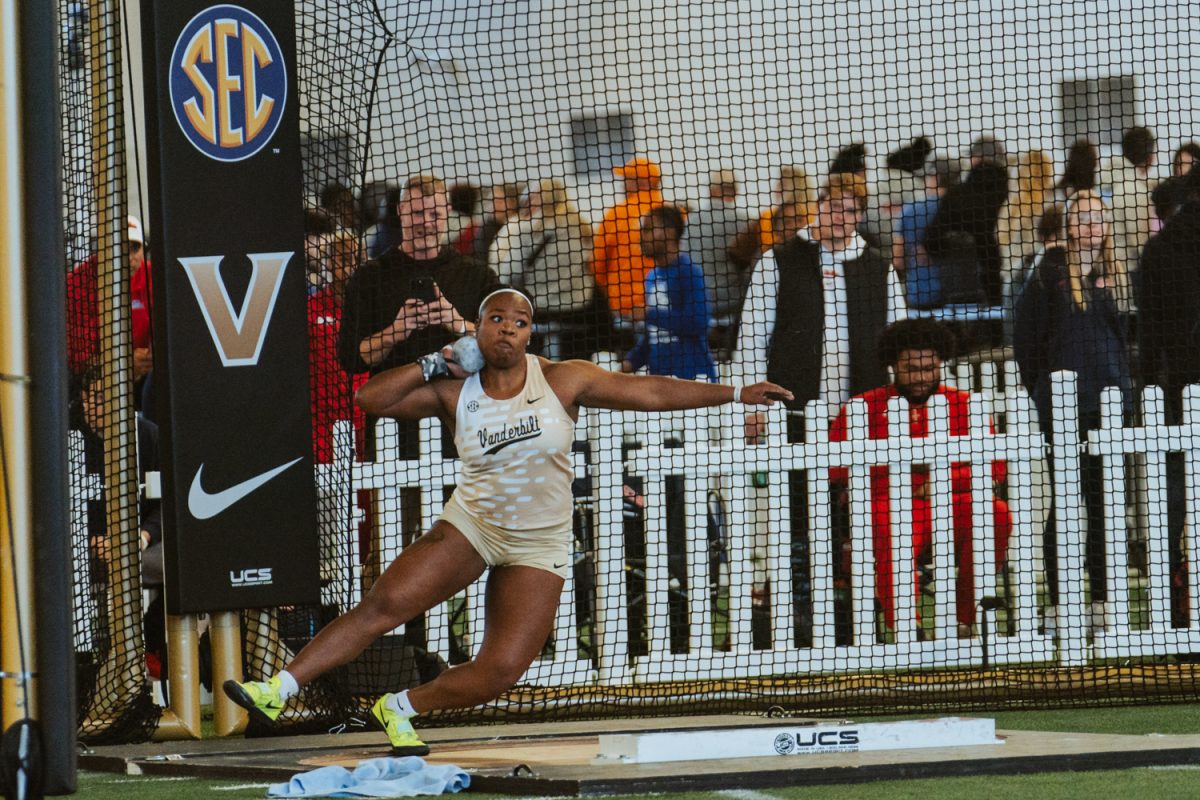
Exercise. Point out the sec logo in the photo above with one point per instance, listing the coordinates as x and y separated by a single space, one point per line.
228 83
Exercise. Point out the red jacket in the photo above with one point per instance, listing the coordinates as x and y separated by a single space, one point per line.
332 391
83 312
958 408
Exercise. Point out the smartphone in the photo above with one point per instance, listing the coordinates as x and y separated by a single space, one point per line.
423 289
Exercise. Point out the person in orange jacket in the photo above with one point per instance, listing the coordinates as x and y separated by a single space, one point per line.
617 260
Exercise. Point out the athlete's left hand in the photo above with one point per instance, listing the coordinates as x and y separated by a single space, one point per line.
764 394
456 370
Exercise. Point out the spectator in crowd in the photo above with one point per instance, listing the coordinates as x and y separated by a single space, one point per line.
550 266
1186 157
794 200
338 202
504 207
901 181
915 350
385 233
1083 161
838 295
91 420
712 234
814 310
618 262
330 388
922 279
1017 227
415 298
1128 182
318 228
83 314
464 223
675 339
962 235
1169 346
1066 319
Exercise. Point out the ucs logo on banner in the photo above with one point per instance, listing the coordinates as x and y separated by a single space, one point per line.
228 83
250 577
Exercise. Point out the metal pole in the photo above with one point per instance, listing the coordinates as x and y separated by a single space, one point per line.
182 721
45 261
225 629
17 651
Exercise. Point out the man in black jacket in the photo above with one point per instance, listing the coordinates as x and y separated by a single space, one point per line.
413 299
818 303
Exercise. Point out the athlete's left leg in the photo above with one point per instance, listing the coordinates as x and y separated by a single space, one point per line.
521 604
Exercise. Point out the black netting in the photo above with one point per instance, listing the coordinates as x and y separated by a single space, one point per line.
932 210
119 624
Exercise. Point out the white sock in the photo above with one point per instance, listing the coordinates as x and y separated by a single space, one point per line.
287 685
398 702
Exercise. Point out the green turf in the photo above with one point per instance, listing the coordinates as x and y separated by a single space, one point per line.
1160 783
1163 783
1138 720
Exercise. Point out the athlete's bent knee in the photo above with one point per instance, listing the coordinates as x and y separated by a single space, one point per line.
376 615
503 673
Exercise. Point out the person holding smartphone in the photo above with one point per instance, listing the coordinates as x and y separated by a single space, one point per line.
416 297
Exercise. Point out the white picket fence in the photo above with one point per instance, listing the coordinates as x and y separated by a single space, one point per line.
595 650
713 454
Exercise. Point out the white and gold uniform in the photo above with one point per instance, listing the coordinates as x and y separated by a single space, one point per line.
513 500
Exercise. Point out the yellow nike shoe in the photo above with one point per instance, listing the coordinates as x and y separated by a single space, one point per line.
399 730
261 699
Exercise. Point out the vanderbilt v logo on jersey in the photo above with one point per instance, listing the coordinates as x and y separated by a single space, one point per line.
237 334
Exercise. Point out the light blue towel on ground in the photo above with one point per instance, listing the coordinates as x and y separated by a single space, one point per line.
375 777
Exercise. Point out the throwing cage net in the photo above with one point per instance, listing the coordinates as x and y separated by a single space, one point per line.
958 236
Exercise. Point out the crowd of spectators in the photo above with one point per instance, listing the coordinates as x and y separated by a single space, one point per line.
1094 271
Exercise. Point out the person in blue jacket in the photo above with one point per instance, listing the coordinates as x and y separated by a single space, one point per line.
675 340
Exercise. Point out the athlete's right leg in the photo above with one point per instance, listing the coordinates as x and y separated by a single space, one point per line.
432 569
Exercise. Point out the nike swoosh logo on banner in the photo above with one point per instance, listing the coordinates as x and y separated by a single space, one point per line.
204 505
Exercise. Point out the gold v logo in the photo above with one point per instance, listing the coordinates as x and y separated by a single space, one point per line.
238 335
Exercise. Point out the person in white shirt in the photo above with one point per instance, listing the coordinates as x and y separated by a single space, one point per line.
839 294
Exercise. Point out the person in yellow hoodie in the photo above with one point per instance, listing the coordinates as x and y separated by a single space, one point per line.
618 263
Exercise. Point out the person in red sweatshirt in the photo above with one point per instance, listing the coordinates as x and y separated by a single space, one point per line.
915 350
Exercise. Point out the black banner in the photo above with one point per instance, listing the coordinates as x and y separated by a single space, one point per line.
231 366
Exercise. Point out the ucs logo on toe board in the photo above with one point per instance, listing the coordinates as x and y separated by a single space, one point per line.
228 83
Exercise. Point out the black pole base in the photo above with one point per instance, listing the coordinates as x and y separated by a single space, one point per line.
21 764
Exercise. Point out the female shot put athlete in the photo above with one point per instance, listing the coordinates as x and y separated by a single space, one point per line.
513 422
